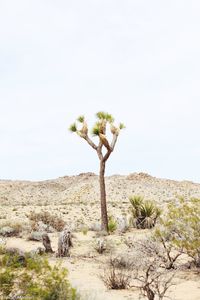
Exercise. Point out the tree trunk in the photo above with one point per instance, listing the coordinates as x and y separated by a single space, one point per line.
46 243
64 243
150 294
104 217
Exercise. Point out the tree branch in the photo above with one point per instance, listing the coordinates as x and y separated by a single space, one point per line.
90 142
99 150
115 136
106 156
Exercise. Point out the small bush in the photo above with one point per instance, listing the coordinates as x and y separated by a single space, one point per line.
144 213
116 279
112 224
121 262
100 245
48 219
180 228
85 230
148 269
36 279
11 228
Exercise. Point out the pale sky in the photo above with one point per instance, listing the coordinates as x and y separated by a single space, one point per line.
137 59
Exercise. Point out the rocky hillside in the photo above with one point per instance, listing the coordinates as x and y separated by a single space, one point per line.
76 198
84 188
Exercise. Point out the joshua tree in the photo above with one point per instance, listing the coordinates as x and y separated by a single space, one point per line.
99 129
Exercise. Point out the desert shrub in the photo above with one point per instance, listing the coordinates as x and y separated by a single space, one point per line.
33 279
148 271
180 228
116 279
48 219
122 261
144 213
6 282
167 250
11 228
84 230
144 265
112 224
100 245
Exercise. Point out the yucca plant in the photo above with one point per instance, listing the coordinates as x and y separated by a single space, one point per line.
144 213
99 130
136 202
112 224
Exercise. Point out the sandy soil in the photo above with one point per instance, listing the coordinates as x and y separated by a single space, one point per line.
76 200
85 267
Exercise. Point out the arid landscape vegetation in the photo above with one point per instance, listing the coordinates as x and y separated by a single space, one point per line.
108 266
99 125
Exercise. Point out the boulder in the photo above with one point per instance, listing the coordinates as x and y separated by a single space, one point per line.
36 236
8 231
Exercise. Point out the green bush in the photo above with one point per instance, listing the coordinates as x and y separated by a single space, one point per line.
112 224
180 227
144 213
33 278
84 230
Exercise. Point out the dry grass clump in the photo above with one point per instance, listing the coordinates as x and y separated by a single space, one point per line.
13 228
48 219
100 245
122 261
142 268
103 245
116 279
117 275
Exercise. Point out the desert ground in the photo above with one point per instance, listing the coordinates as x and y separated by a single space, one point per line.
75 199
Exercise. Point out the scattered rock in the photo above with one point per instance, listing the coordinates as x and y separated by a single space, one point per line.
122 223
41 227
100 245
8 231
37 251
139 176
35 236
95 227
2 242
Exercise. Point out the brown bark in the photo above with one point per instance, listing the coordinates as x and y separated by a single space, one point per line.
64 243
149 292
103 158
46 243
104 217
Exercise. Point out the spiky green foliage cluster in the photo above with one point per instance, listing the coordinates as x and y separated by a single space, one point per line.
121 126
96 129
81 119
101 115
181 227
144 213
33 278
73 127
112 224
100 125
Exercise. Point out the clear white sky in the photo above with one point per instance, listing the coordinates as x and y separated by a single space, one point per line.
137 59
